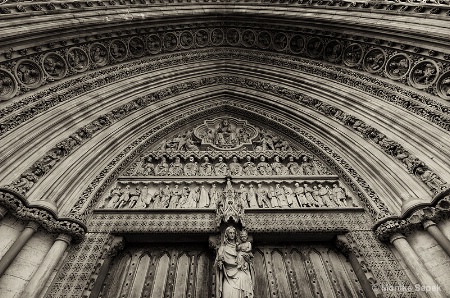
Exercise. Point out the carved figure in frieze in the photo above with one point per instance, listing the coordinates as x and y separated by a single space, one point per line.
317 199
191 167
324 195
263 199
175 196
411 162
300 195
144 198
251 197
278 167
124 198
148 166
231 281
193 198
7 84
134 197
307 168
424 73
113 197
293 167
26 181
204 198
226 134
99 54
184 197
221 168
165 197
176 168
289 195
431 179
235 167
242 196
190 145
264 167
309 194
339 195
282 200
214 196
206 168
273 198
249 168
155 200
162 169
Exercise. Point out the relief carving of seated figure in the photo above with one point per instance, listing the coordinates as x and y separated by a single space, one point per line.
162 169
278 167
191 167
225 134
221 168
235 167
206 168
263 167
176 168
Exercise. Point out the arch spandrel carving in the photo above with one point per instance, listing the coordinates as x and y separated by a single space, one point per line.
227 164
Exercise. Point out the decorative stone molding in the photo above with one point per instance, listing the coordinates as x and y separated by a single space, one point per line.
46 163
413 219
103 52
19 207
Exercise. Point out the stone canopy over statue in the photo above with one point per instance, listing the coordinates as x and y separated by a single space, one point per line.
226 133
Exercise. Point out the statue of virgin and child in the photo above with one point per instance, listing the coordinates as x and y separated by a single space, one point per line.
234 266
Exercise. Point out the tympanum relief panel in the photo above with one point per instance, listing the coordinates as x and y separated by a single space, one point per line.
225 161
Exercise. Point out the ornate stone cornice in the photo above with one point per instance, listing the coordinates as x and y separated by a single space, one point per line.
436 211
19 207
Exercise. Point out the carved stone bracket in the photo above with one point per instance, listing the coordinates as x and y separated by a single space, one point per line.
413 219
20 208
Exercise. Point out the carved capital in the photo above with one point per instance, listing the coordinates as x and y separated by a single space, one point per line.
428 223
33 225
64 237
395 237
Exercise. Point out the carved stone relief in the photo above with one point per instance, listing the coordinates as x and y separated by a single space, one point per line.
98 54
77 59
374 60
54 66
353 54
424 74
118 50
29 73
8 85
154 44
314 47
136 46
398 66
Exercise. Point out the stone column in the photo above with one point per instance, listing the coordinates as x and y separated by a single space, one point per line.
17 246
431 227
39 279
415 264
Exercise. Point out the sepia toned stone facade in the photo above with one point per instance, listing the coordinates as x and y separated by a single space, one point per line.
224 149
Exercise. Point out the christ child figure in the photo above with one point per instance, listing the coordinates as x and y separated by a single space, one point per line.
244 251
